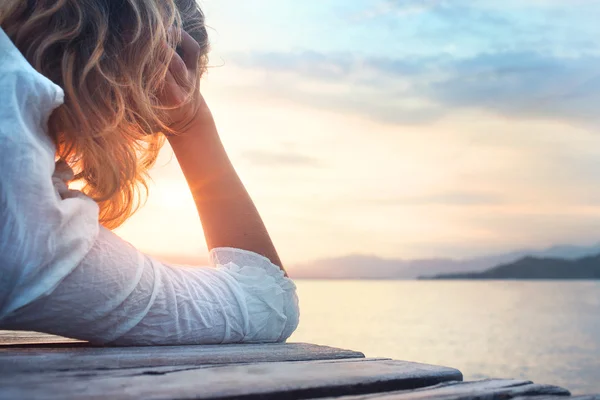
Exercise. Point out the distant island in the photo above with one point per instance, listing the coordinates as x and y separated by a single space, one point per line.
371 266
535 268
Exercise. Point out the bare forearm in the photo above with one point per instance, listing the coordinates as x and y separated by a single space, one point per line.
229 217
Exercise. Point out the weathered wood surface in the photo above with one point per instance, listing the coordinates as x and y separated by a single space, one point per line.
36 359
34 366
490 389
16 338
578 397
279 380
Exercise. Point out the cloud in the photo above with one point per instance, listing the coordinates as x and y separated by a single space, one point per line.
475 26
415 61
523 84
376 87
265 158
399 8
451 198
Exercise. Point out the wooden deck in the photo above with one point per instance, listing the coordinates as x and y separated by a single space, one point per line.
45 367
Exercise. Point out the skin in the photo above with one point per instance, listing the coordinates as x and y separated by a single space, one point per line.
228 215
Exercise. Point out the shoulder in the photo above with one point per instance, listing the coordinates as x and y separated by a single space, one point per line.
28 94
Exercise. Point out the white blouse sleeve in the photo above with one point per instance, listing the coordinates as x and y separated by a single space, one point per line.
62 273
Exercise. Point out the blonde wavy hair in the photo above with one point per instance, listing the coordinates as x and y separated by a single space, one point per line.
110 58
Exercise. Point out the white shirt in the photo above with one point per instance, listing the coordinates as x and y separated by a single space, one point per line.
63 273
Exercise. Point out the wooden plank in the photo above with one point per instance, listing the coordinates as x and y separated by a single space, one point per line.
111 372
291 380
8 338
578 397
490 389
34 359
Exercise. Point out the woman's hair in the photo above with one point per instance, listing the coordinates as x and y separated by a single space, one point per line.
110 58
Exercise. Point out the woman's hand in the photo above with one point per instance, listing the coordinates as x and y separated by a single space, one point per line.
185 106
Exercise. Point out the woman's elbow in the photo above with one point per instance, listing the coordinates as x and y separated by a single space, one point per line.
274 321
291 311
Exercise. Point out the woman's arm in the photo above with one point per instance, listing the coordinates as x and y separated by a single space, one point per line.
229 217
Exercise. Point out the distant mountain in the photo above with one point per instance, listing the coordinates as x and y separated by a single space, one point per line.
373 267
537 268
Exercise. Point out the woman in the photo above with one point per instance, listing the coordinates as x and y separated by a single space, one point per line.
95 87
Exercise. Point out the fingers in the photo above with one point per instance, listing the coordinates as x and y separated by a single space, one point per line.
178 68
191 51
181 77
63 171
185 61
170 81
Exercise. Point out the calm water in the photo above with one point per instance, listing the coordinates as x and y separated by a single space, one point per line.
548 332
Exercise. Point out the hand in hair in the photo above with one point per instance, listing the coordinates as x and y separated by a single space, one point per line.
181 98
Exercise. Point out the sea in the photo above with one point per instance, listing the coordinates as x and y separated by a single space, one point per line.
543 331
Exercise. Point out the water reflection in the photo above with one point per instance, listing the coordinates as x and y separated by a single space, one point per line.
548 332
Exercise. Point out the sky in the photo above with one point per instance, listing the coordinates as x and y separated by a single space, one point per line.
397 128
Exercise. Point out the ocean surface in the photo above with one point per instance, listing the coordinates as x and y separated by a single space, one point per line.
544 331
